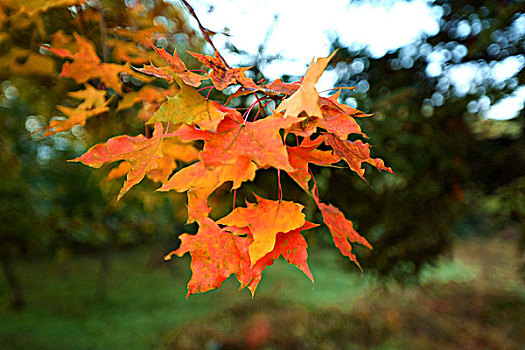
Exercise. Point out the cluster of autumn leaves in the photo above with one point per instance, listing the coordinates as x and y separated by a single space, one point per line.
235 146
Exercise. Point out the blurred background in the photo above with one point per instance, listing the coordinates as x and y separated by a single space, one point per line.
445 82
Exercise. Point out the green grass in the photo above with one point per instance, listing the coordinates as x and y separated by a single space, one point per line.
144 304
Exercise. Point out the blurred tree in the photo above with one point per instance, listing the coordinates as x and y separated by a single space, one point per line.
42 206
430 124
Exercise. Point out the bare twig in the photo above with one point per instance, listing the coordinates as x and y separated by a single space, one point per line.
103 33
204 31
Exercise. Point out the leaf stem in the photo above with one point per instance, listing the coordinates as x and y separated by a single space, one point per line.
209 92
258 101
315 190
280 188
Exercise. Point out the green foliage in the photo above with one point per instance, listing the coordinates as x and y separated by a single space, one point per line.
434 132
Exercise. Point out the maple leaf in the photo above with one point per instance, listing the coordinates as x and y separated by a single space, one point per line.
342 230
337 118
94 103
86 65
141 36
306 153
119 171
190 107
141 152
148 94
222 76
76 116
214 256
331 102
259 141
278 86
25 62
265 219
159 72
274 88
355 153
178 68
338 123
333 121
291 245
173 150
306 97
126 51
200 182
33 7
91 97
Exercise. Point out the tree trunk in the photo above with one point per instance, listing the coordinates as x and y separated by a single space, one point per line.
17 297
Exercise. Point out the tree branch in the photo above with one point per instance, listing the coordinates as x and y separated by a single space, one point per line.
204 31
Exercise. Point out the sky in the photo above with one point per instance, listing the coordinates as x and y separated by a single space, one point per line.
299 30
303 30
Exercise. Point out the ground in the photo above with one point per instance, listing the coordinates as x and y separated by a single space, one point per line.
474 301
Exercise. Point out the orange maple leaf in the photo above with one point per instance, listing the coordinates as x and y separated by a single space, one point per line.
265 219
148 94
200 182
94 103
259 141
291 245
274 88
332 103
87 65
160 72
173 150
142 153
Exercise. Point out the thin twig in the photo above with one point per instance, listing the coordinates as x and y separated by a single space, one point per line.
103 33
204 31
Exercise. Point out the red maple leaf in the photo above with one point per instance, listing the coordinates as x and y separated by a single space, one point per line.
175 68
342 230
355 153
306 153
214 256
222 76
